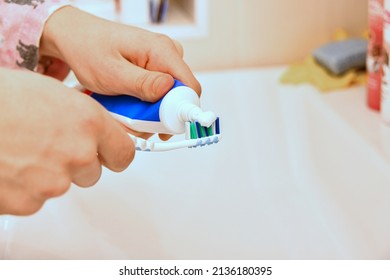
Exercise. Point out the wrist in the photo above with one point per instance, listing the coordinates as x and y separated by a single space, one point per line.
50 44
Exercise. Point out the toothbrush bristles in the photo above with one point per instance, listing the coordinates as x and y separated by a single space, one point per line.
206 135
196 136
199 129
209 131
193 133
203 135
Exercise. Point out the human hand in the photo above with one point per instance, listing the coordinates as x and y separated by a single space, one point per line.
51 136
112 58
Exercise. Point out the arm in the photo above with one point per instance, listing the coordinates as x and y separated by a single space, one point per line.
21 26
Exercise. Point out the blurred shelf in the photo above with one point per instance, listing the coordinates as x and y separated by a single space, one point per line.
185 19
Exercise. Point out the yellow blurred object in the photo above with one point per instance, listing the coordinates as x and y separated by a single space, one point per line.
365 34
340 34
309 71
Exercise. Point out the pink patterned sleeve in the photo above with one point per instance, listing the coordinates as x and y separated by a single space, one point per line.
21 26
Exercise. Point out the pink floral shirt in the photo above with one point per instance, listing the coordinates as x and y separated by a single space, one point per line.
21 26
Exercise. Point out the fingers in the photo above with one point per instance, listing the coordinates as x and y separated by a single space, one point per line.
144 84
180 70
161 57
164 137
102 141
115 148
43 183
18 203
88 173
167 56
153 83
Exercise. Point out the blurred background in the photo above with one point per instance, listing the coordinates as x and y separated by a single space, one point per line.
302 171
222 34
267 32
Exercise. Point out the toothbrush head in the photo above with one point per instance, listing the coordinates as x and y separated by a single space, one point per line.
196 136
205 135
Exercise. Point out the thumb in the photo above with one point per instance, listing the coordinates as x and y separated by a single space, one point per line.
144 84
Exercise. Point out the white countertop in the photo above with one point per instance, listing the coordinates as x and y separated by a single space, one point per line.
297 175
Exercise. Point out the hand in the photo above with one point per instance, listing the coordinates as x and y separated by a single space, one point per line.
51 136
112 58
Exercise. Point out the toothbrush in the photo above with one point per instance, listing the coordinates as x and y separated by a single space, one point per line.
199 136
178 112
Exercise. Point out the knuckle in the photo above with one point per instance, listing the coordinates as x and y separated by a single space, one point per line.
89 118
84 158
167 43
103 82
99 80
142 87
30 209
56 188
124 158
164 39
27 206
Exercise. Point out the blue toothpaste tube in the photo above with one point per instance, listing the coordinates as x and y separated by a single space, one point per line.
177 112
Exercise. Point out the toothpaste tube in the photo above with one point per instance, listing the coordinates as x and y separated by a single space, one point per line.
168 115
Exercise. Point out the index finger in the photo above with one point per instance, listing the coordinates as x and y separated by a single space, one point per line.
178 69
182 72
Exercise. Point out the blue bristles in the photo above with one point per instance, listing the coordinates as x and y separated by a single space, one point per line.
199 129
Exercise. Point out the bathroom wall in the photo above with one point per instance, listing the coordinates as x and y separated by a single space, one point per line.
247 33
